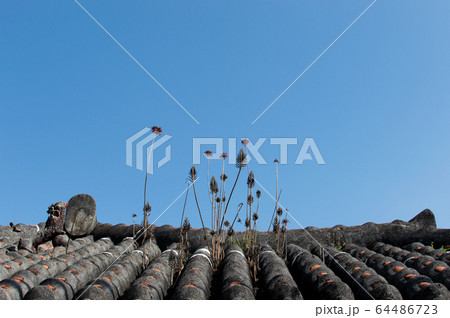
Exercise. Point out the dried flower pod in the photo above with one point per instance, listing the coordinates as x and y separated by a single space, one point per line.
223 177
250 199
245 142
226 223
247 222
230 232
218 200
208 153
279 212
251 179
241 159
193 174
213 185
147 208
186 225
276 160
157 130
285 222
212 232
224 156
255 217
258 193
223 199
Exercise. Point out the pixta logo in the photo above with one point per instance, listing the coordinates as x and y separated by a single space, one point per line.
307 150
141 142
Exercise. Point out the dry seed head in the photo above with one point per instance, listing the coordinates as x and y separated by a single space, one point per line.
224 156
223 177
213 185
218 200
245 142
223 199
279 212
186 225
255 217
247 222
258 193
250 199
208 153
193 174
230 232
147 207
226 223
157 130
241 159
251 179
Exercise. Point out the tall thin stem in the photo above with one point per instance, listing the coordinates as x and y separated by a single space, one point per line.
221 194
184 207
183 239
274 212
210 194
248 172
146 171
235 218
276 195
229 198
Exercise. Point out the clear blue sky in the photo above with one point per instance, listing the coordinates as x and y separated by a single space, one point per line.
377 104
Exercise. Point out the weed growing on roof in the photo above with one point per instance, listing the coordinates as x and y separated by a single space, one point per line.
222 229
147 208
284 223
442 248
134 215
147 231
250 248
219 206
185 227
230 229
183 247
277 195
277 227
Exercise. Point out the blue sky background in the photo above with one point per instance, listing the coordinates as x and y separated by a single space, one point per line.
376 104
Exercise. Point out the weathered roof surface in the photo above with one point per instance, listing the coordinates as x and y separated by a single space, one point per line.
373 261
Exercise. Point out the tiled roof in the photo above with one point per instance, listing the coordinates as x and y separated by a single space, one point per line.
372 261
